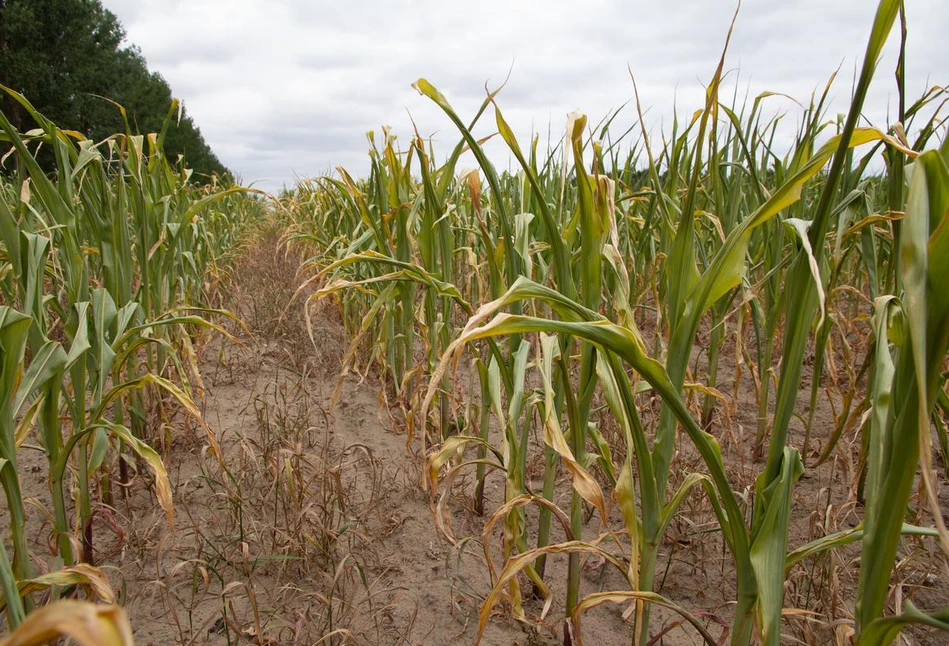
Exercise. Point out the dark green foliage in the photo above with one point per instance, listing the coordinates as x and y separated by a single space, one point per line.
66 55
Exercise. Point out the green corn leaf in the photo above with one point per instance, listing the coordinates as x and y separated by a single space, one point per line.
769 542
884 631
47 364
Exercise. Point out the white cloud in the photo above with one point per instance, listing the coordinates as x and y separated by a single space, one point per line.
289 88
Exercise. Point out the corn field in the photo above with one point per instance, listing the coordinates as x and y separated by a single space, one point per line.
567 344
590 296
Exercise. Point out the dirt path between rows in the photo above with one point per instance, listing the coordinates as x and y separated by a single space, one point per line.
318 528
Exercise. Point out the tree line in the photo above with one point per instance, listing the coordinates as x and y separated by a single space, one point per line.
68 56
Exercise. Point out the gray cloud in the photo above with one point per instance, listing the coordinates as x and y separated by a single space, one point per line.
288 88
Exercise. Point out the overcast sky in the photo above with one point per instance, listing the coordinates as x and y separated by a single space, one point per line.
283 89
